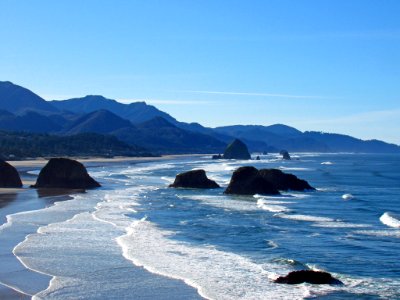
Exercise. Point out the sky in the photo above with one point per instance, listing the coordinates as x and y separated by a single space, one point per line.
331 66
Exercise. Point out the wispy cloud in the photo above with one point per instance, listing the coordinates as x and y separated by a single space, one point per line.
253 94
168 101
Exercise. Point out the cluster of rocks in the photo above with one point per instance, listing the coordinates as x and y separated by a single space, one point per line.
238 150
246 181
57 173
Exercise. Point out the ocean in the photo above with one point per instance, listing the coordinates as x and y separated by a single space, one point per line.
90 245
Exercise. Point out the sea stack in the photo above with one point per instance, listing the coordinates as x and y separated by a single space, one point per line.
237 150
195 179
9 177
65 173
285 154
248 181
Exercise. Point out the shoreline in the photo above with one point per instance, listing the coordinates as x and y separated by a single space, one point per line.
17 200
39 162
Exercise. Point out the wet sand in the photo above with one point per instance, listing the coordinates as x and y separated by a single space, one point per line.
25 199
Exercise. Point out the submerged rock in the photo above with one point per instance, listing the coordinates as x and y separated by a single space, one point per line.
258 157
217 156
285 154
283 181
237 150
309 276
194 179
9 177
248 181
65 173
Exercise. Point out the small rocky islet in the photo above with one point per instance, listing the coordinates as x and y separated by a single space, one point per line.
194 179
308 276
250 181
237 150
245 180
65 173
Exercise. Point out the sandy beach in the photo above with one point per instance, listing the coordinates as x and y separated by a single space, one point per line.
14 200
120 159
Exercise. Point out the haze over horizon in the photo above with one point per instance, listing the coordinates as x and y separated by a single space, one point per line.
313 65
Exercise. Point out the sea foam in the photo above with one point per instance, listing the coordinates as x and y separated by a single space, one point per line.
216 274
390 220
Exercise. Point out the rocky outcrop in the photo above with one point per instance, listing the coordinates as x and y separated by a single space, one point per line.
237 150
248 181
217 156
283 181
285 154
65 173
309 276
9 177
196 179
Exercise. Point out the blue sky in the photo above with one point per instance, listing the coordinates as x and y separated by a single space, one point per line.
332 66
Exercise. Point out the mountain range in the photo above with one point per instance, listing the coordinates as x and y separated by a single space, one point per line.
146 127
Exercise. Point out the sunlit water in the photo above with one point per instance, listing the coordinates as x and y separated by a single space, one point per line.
226 247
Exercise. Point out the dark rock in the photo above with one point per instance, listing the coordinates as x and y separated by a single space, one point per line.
9 177
194 179
309 276
65 173
248 181
217 156
237 150
257 158
283 181
285 154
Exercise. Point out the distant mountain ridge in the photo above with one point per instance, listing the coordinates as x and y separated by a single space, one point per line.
17 99
99 121
136 112
139 124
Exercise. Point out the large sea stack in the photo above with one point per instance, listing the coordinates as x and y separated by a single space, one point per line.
248 181
65 173
284 182
9 177
285 154
196 179
237 150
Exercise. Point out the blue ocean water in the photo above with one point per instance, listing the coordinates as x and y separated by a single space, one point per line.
227 247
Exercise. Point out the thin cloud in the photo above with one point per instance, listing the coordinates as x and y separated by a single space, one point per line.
252 94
